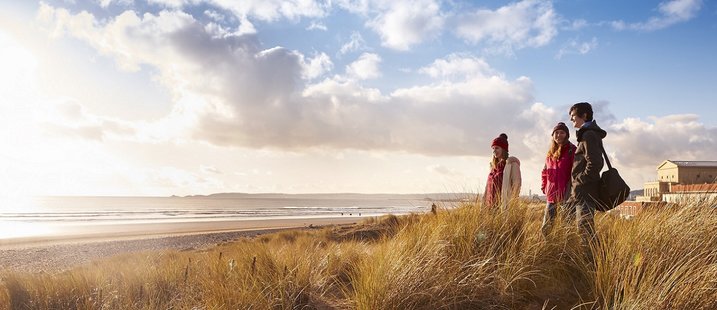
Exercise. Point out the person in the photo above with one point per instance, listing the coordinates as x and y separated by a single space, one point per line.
504 179
586 168
556 173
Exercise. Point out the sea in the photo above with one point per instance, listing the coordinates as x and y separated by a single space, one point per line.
35 216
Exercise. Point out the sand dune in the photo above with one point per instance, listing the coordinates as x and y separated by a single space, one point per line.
78 246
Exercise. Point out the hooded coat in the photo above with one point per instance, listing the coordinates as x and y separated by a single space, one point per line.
556 174
499 190
588 163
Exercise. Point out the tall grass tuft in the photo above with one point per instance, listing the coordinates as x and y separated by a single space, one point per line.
466 258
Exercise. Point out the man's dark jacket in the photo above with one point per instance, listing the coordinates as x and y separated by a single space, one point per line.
587 164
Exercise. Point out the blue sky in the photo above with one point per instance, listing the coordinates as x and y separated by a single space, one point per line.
192 97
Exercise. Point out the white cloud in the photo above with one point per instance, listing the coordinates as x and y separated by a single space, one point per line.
71 119
317 66
106 3
365 67
406 23
249 96
254 97
577 24
529 23
444 171
208 169
168 3
356 6
460 66
245 26
356 43
271 10
637 146
671 12
215 16
575 47
317 26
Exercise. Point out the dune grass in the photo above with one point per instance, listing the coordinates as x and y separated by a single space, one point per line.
465 258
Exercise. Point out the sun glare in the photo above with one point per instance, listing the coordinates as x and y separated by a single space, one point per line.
18 64
10 206
9 230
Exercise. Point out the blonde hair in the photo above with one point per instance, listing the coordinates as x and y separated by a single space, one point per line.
494 161
554 150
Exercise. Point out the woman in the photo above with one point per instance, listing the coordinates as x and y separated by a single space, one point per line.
556 173
503 182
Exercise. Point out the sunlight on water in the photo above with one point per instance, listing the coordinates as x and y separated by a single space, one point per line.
10 230
19 229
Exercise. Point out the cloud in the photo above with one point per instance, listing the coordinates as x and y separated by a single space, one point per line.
317 66
272 10
456 65
573 47
407 23
215 16
70 119
445 171
679 137
577 25
365 67
234 92
208 169
529 23
317 26
167 3
356 43
671 12
637 146
107 3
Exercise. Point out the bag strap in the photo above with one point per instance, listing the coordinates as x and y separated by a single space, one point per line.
609 166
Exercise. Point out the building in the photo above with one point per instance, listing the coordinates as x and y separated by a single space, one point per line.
653 191
687 172
692 193
674 172
678 181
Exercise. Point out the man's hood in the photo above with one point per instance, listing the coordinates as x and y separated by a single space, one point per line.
593 126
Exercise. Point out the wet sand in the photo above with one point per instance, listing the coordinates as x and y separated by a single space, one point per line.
75 247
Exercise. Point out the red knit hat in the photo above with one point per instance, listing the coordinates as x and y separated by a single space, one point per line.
561 126
501 141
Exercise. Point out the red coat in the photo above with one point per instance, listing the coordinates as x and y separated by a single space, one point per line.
556 174
503 184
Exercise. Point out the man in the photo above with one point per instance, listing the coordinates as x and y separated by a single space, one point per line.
586 167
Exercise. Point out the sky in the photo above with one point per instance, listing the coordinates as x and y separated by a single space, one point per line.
187 97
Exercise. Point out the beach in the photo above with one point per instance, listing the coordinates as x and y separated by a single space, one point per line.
73 248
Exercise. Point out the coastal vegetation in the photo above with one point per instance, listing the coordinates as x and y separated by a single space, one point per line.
466 257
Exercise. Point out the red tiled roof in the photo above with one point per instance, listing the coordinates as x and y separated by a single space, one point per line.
699 188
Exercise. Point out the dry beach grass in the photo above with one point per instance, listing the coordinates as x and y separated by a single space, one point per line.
466 258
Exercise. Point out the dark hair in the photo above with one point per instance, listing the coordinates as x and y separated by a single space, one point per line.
582 108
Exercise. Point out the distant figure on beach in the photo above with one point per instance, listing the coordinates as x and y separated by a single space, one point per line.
434 209
504 179
586 168
556 173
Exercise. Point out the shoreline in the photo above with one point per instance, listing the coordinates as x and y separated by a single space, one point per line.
55 254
